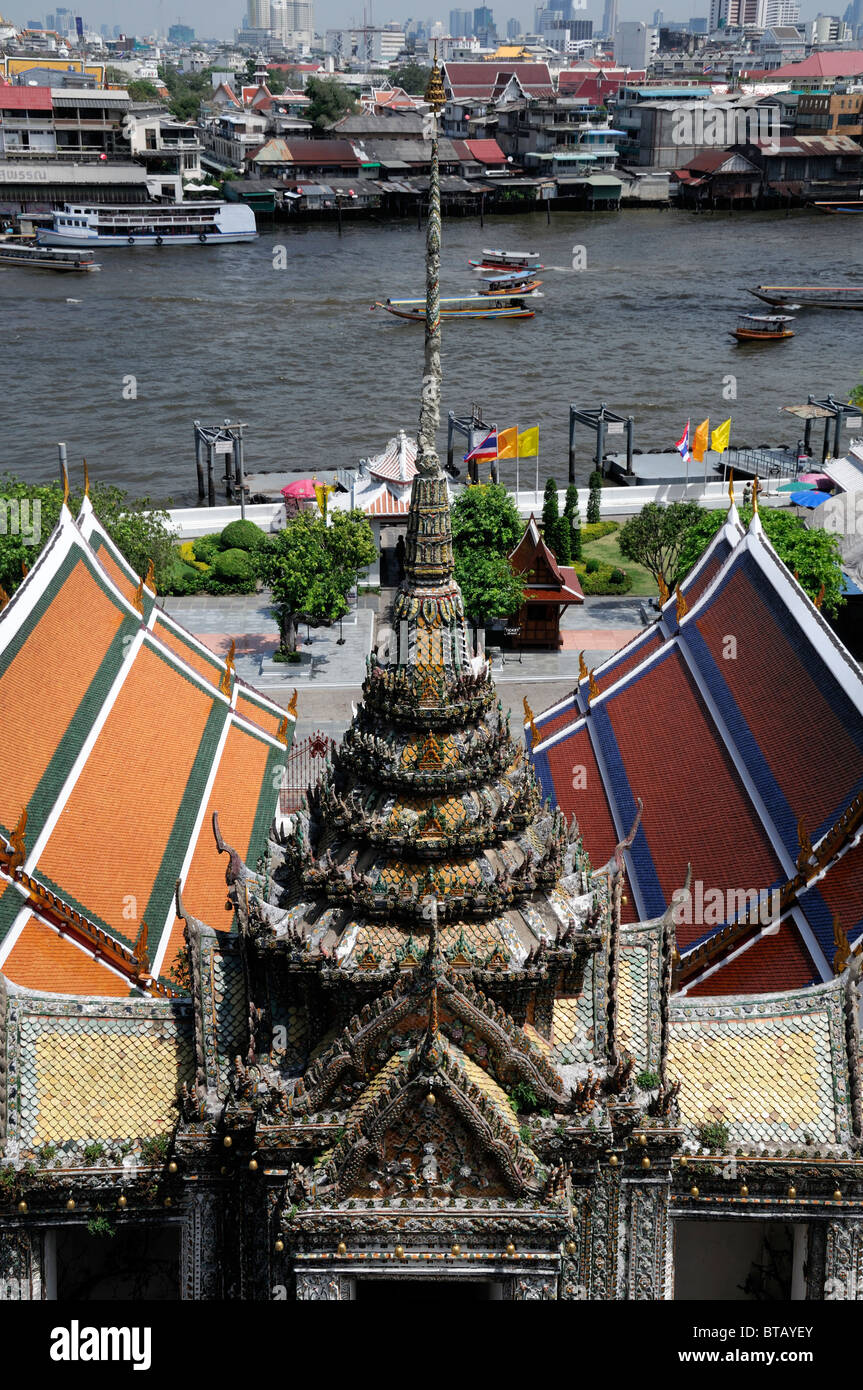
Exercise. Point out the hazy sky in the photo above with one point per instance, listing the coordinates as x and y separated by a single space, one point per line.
219 18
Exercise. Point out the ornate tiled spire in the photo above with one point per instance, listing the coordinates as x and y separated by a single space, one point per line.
429 599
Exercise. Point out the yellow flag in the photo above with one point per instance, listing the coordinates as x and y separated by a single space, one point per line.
322 492
699 441
506 442
720 437
528 443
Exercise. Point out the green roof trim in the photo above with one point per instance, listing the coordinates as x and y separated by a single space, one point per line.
11 903
73 739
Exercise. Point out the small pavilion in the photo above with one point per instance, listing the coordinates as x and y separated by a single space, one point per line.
551 588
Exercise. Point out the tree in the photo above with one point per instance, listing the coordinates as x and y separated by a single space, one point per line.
412 78
310 567
485 528
186 90
594 497
489 586
813 555
572 521
550 515
656 537
329 101
140 89
139 530
856 396
485 518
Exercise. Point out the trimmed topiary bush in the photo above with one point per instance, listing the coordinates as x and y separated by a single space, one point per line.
595 529
206 548
243 535
184 579
233 564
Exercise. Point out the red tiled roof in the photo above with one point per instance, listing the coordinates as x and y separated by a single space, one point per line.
672 753
486 151
25 99
832 63
816 773
770 964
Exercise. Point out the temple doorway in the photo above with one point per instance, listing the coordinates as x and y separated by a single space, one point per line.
134 1262
739 1260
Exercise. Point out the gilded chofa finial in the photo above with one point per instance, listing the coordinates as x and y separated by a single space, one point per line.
139 596
140 949
663 591
64 473
292 705
583 672
86 480
593 688
225 682
843 947
755 490
682 605
4 598
150 577
531 722
731 486
282 732
435 93
17 843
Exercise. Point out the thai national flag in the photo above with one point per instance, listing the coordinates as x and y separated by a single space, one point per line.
682 445
486 450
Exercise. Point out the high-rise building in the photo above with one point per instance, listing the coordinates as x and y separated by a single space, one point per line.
658 17
609 18
291 22
460 23
513 28
181 33
259 14
635 43
483 25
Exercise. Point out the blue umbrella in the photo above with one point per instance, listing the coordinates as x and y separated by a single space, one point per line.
810 499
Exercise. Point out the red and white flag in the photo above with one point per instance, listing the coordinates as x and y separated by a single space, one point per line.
682 445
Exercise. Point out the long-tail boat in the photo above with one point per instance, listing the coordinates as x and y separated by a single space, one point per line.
811 296
763 328
512 260
472 306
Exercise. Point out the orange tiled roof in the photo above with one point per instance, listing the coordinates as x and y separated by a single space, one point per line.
47 679
133 817
41 957
110 840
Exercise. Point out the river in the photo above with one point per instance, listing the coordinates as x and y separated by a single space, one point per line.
119 363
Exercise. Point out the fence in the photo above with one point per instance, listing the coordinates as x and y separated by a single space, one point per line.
304 768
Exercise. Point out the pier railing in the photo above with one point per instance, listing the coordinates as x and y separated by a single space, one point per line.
766 463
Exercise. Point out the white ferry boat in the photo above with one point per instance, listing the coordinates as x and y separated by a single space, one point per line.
150 224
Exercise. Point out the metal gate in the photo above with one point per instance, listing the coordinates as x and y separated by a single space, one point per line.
304 768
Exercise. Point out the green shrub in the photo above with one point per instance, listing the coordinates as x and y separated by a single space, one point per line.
647 1080
593 500
243 535
92 1153
714 1135
212 585
100 1226
600 582
591 567
595 529
233 564
183 579
206 548
617 576
155 1150
292 657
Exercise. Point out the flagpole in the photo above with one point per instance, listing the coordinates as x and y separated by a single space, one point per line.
516 466
536 493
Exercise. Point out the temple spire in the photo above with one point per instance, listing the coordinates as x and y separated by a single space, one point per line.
427 459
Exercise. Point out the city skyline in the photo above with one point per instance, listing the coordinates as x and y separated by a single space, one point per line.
221 18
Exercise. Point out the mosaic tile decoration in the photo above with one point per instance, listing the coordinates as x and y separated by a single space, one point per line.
95 1072
774 1070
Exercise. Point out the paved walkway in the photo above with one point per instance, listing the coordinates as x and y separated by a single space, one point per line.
247 621
329 676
